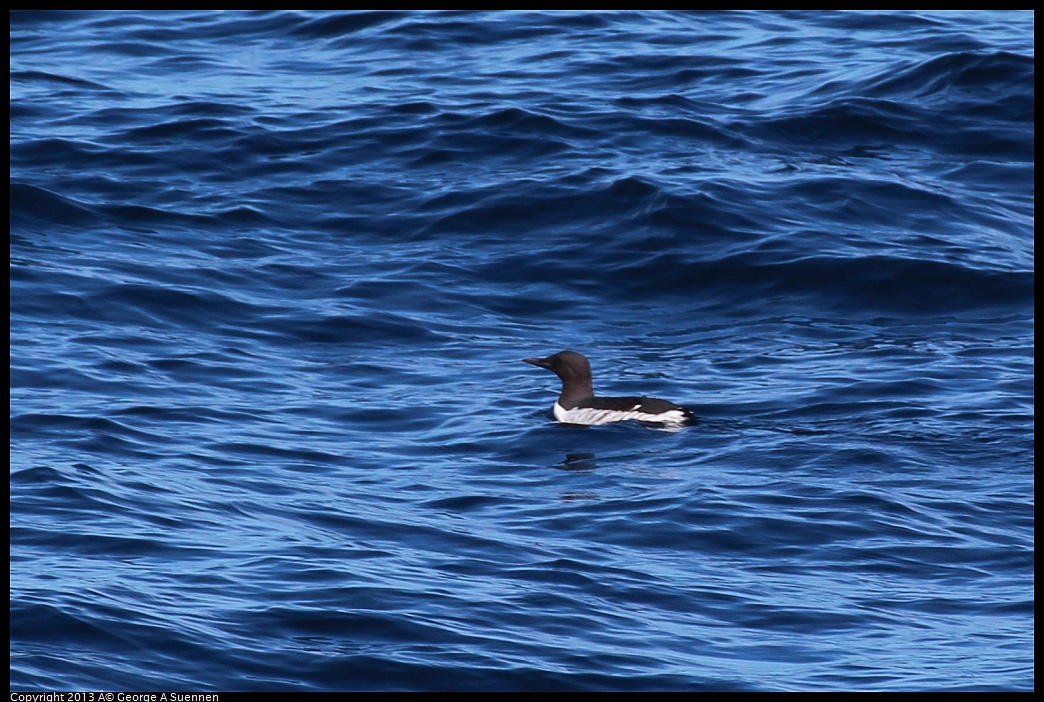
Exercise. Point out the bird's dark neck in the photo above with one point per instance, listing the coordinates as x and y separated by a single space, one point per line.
574 392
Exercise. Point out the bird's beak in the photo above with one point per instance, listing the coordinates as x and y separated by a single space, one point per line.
542 362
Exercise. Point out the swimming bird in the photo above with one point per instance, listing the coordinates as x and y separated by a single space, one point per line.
578 405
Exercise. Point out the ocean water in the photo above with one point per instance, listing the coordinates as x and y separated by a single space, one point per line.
273 275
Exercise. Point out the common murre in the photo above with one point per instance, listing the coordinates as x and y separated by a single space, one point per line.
578 405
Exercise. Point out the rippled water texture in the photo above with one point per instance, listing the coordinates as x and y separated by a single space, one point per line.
273 275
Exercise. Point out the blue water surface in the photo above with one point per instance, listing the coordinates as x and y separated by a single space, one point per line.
273 275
